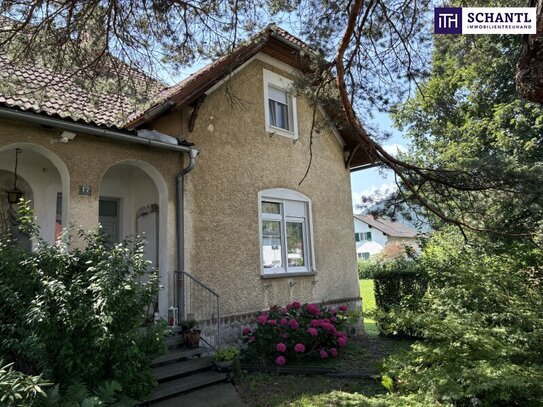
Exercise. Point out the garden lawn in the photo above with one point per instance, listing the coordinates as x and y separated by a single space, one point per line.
368 305
271 390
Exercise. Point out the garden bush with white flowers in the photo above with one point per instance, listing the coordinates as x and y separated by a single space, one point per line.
296 332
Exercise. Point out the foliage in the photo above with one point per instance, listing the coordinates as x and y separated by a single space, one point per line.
295 332
226 354
482 321
77 316
19 389
399 284
188 324
78 395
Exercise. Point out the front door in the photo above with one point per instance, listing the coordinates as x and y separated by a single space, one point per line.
108 216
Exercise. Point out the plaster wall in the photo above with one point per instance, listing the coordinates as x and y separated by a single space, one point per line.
238 159
87 159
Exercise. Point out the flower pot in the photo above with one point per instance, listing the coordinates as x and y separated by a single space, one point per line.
223 364
194 339
186 337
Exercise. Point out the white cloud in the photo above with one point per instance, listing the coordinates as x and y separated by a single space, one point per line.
376 192
394 149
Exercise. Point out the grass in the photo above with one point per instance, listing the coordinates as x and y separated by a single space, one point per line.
368 303
367 352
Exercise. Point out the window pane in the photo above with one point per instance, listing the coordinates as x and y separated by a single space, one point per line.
278 95
107 208
295 244
279 116
357 237
368 236
271 207
271 244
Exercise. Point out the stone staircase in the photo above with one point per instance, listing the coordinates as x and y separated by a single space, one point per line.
181 370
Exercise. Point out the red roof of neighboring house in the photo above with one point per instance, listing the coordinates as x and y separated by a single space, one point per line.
394 229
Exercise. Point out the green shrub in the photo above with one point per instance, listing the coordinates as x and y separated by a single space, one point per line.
77 316
19 389
400 285
482 322
226 354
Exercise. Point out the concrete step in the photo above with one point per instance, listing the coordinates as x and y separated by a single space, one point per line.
184 384
174 341
178 354
185 367
216 395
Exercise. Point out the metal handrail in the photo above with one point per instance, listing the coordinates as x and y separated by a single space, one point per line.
217 299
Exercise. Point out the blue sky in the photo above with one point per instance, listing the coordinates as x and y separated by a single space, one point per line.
367 182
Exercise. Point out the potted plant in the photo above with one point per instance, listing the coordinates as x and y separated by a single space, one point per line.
186 328
194 338
224 357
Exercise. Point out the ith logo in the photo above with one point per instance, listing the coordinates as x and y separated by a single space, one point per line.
448 20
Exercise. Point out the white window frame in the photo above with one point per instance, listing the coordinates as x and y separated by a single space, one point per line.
280 195
279 82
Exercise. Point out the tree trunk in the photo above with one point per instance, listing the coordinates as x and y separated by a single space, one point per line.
529 74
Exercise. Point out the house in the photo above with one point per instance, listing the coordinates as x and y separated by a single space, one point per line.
372 234
213 185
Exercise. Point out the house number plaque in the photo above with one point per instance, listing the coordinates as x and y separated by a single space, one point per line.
85 190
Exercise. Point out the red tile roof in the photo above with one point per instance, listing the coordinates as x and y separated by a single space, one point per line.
37 89
387 226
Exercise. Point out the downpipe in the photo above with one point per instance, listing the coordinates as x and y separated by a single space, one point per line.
180 230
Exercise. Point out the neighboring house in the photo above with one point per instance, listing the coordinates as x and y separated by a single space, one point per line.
211 182
372 234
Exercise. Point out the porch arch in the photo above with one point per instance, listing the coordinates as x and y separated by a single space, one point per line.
134 169
24 165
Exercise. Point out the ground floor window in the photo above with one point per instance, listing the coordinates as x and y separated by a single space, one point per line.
285 232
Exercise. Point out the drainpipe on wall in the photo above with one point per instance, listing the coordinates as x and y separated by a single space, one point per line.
180 230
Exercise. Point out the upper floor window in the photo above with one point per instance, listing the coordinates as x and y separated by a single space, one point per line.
362 236
286 241
280 106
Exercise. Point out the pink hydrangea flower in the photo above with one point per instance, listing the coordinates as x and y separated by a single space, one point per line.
312 331
341 334
328 326
333 319
283 311
332 310
313 309
333 352
280 360
342 342
288 306
343 308
246 330
281 347
294 324
262 318
299 348
283 321
315 322
272 322
296 305
323 354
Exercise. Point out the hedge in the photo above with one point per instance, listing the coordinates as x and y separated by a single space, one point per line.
399 284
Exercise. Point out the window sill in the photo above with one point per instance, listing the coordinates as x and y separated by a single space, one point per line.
287 275
276 131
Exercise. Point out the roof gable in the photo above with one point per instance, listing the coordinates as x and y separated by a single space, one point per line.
394 229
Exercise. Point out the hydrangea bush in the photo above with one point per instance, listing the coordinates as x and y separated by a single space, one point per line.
296 331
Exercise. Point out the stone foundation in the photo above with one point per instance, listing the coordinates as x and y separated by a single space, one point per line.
231 327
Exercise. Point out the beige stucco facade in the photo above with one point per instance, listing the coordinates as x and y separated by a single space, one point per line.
237 160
